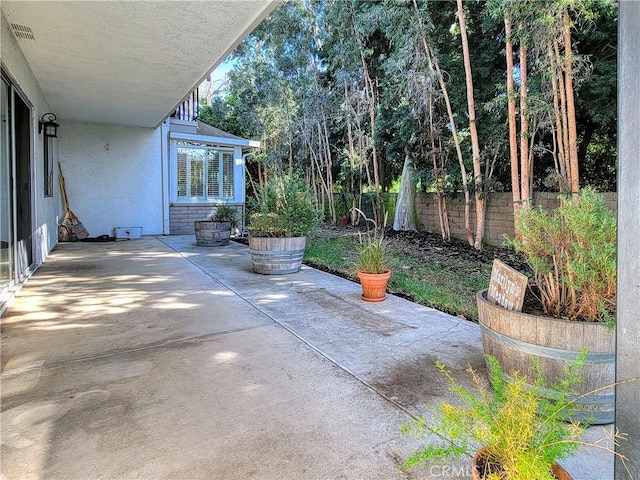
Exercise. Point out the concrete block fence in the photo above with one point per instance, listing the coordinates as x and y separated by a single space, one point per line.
499 213
181 217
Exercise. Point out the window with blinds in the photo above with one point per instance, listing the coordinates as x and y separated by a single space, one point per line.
204 173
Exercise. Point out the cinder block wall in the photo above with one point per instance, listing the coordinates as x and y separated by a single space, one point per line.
181 217
498 217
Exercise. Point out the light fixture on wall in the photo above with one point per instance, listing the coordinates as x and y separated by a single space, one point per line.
49 126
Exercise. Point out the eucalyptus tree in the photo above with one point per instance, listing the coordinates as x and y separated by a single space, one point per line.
567 69
475 143
543 66
279 77
356 92
353 49
415 53
410 87
266 105
596 99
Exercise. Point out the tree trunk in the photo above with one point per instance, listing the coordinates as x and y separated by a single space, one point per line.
574 181
563 115
475 143
434 67
513 128
371 93
406 205
438 174
525 167
559 151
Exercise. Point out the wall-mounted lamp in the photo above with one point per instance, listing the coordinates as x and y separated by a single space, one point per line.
49 126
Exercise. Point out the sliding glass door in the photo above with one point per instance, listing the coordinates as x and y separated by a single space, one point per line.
6 205
16 226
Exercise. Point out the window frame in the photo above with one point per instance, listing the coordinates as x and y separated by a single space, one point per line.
180 144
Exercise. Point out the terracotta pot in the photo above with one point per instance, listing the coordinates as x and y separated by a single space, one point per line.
478 460
374 285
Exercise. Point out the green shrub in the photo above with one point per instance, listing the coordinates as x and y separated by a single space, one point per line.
284 208
572 252
225 213
522 433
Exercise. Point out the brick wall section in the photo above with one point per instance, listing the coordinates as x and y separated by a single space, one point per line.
499 213
181 217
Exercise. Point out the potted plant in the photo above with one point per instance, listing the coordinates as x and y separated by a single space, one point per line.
572 252
284 212
372 268
511 430
216 230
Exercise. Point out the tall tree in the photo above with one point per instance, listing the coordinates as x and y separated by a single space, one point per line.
475 143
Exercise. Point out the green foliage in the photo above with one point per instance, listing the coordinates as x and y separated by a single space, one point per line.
372 252
572 252
303 83
329 253
521 433
225 213
436 283
284 208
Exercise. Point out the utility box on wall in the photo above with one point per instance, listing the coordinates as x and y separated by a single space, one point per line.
127 232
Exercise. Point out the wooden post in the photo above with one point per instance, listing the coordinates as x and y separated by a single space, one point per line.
628 321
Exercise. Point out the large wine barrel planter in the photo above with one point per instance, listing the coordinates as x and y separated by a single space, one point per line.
212 234
514 338
275 255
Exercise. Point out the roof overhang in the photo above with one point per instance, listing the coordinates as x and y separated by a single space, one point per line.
128 62
232 142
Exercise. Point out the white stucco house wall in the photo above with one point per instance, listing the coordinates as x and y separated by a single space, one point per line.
113 74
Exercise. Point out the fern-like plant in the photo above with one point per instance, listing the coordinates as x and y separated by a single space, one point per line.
520 432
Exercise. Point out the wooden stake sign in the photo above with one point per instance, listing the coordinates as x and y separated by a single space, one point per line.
507 286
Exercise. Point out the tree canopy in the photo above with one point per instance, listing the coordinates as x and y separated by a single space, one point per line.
345 92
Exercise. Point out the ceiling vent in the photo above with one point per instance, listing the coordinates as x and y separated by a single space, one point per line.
22 31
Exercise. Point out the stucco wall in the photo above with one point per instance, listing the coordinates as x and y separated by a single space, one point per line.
113 176
44 209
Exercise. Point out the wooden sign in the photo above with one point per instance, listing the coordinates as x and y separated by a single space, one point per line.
507 286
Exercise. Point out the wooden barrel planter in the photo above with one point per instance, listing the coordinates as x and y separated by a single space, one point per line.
212 234
275 255
514 338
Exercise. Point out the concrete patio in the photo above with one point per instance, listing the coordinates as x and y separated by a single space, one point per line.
158 359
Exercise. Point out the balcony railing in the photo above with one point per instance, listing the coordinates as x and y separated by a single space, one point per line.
188 110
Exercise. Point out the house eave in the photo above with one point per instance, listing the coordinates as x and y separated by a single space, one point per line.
127 62
246 144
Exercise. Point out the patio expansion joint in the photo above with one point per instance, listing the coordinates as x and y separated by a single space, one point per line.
126 351
318 350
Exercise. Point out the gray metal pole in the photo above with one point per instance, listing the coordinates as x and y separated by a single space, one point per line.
628 319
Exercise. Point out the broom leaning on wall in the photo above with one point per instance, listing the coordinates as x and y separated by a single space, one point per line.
71 228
